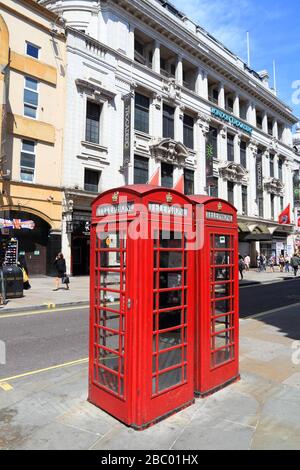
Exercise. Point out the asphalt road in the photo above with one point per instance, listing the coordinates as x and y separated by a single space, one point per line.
261 298
43 340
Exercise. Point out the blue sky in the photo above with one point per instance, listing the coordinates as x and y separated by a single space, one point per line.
274 35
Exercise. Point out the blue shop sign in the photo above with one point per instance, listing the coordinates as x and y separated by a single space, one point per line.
231 119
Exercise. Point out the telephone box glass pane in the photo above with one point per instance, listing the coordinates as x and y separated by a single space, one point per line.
110 318
222 298
169 282
169 379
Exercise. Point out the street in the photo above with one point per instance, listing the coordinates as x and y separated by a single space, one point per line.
37 341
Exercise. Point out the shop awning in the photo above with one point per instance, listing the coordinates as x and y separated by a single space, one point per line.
243 227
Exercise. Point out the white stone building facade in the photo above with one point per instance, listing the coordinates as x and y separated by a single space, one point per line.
192 109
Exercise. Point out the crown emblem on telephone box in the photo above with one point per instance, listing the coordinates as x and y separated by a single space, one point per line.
169 197
115 196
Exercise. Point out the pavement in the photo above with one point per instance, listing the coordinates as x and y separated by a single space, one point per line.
42 296
48 409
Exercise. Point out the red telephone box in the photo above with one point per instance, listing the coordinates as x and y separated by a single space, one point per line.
141 365
217 296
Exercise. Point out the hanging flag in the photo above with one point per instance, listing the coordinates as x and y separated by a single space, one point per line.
154 180
179 186
285 217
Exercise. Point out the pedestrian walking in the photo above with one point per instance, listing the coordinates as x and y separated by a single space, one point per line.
262 263
271 264
241 267
247 261
287 263
295 262
60 265
281 263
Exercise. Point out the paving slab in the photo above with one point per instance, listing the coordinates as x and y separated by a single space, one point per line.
261 411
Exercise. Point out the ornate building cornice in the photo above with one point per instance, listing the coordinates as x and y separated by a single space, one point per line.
233 172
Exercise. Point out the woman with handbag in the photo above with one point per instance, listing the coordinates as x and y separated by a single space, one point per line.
60 264
22 264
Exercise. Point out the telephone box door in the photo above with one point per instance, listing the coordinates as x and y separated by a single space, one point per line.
221 358
109 320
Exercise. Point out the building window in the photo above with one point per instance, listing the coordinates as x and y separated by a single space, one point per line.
189 177
212 189
168 121
27 160
230 148
280 164
188 131
230 192
272 166
261 206
167 175
141 113
212 143
32 50
91 180
244 154
92 130
272 207
281 203
31 97
141 170
245 200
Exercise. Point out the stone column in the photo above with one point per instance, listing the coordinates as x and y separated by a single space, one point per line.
265 123
254 117
221 98
201 129
236 105
131 42
251 157
237 148
178 123
275 129
179 71
266 173
156 115
156 57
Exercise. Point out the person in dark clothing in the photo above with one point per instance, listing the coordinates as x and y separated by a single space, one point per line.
60 264
241 266
295 263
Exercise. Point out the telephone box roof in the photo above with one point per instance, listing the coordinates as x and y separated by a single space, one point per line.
142 190
203 199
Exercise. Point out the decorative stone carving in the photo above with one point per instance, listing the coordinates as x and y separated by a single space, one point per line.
172 89
274 186
253 146
223 132
203 122
170 151
157 98
233 172
274 145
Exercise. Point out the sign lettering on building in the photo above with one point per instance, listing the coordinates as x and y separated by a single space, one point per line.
219 216
127 133
259 175
164 209
231 119
108 209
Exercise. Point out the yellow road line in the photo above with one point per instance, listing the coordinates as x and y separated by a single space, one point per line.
6 387
34 372
38 312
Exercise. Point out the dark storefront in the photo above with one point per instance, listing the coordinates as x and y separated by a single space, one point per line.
80 243
39 244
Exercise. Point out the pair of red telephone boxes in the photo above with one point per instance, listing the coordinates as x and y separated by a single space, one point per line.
164 301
